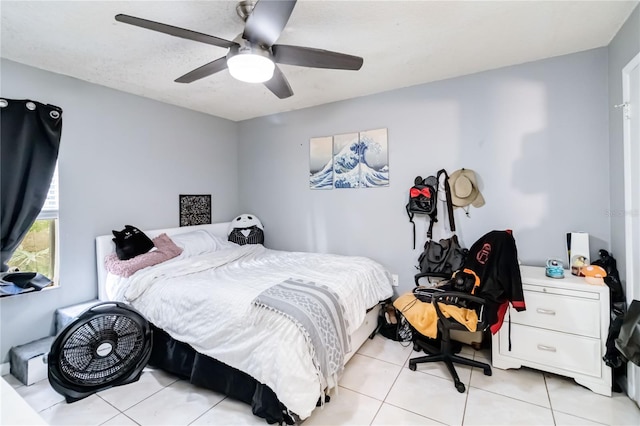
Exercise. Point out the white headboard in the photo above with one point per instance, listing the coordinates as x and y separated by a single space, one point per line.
105 246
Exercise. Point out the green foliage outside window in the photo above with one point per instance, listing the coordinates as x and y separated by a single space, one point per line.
35 253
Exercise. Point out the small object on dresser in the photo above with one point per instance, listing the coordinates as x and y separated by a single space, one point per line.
577 250
554 269
593 274
577 263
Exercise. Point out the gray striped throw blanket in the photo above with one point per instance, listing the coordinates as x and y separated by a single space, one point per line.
317 312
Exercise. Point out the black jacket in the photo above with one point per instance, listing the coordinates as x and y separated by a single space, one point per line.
494 259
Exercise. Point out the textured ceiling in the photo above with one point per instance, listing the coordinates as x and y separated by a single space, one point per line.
402 43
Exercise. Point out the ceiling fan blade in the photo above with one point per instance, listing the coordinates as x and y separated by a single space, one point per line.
174 31
267 20
279 84
204 71
315 58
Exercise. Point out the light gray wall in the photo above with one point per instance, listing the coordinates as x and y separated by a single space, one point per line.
123 160
536 134
624 47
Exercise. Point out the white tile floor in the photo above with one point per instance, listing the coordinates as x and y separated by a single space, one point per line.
377 389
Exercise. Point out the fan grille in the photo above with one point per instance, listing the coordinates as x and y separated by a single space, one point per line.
104 348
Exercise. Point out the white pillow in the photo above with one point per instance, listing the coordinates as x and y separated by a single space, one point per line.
199 242
222 243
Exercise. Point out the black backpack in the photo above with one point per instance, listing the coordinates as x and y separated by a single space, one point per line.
423 199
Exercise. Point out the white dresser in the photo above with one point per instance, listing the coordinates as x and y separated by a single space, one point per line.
563 331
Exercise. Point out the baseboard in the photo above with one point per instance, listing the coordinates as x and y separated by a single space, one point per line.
5 369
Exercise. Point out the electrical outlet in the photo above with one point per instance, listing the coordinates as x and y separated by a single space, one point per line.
394 277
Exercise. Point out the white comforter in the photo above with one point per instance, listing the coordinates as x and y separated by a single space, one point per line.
206 301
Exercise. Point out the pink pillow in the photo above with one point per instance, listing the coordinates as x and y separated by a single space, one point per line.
165 250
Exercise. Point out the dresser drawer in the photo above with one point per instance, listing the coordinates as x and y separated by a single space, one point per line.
562 313
569 352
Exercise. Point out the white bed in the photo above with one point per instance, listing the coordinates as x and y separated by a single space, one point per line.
211 311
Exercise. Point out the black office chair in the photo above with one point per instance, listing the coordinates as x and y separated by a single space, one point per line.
446 351
491 272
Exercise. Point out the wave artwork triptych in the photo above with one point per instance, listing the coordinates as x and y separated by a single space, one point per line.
350 160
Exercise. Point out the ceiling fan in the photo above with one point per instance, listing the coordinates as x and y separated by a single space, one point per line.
253 54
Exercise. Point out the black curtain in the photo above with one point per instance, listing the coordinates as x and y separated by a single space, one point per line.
29 143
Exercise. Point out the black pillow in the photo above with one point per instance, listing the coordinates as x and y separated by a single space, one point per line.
131 242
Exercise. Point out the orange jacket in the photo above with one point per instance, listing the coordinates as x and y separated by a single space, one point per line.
423 317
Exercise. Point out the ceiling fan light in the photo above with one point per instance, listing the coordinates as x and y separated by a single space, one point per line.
251 68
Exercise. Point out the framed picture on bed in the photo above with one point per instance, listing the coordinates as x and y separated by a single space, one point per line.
195 209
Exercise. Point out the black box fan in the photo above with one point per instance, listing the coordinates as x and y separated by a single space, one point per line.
107 345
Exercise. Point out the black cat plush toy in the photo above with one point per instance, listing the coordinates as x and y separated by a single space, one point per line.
131 242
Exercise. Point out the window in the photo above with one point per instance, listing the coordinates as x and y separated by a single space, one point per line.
38 250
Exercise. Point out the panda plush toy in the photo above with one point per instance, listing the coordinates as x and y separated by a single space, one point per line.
246 229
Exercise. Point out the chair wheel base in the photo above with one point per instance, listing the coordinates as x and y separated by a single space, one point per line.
460 387
412 366
487 372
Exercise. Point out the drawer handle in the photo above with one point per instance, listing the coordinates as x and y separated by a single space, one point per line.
545 311
546 348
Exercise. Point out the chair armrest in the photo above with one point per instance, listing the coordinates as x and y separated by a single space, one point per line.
440 296
459 295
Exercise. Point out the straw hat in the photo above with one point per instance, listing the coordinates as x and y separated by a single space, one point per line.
464 189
